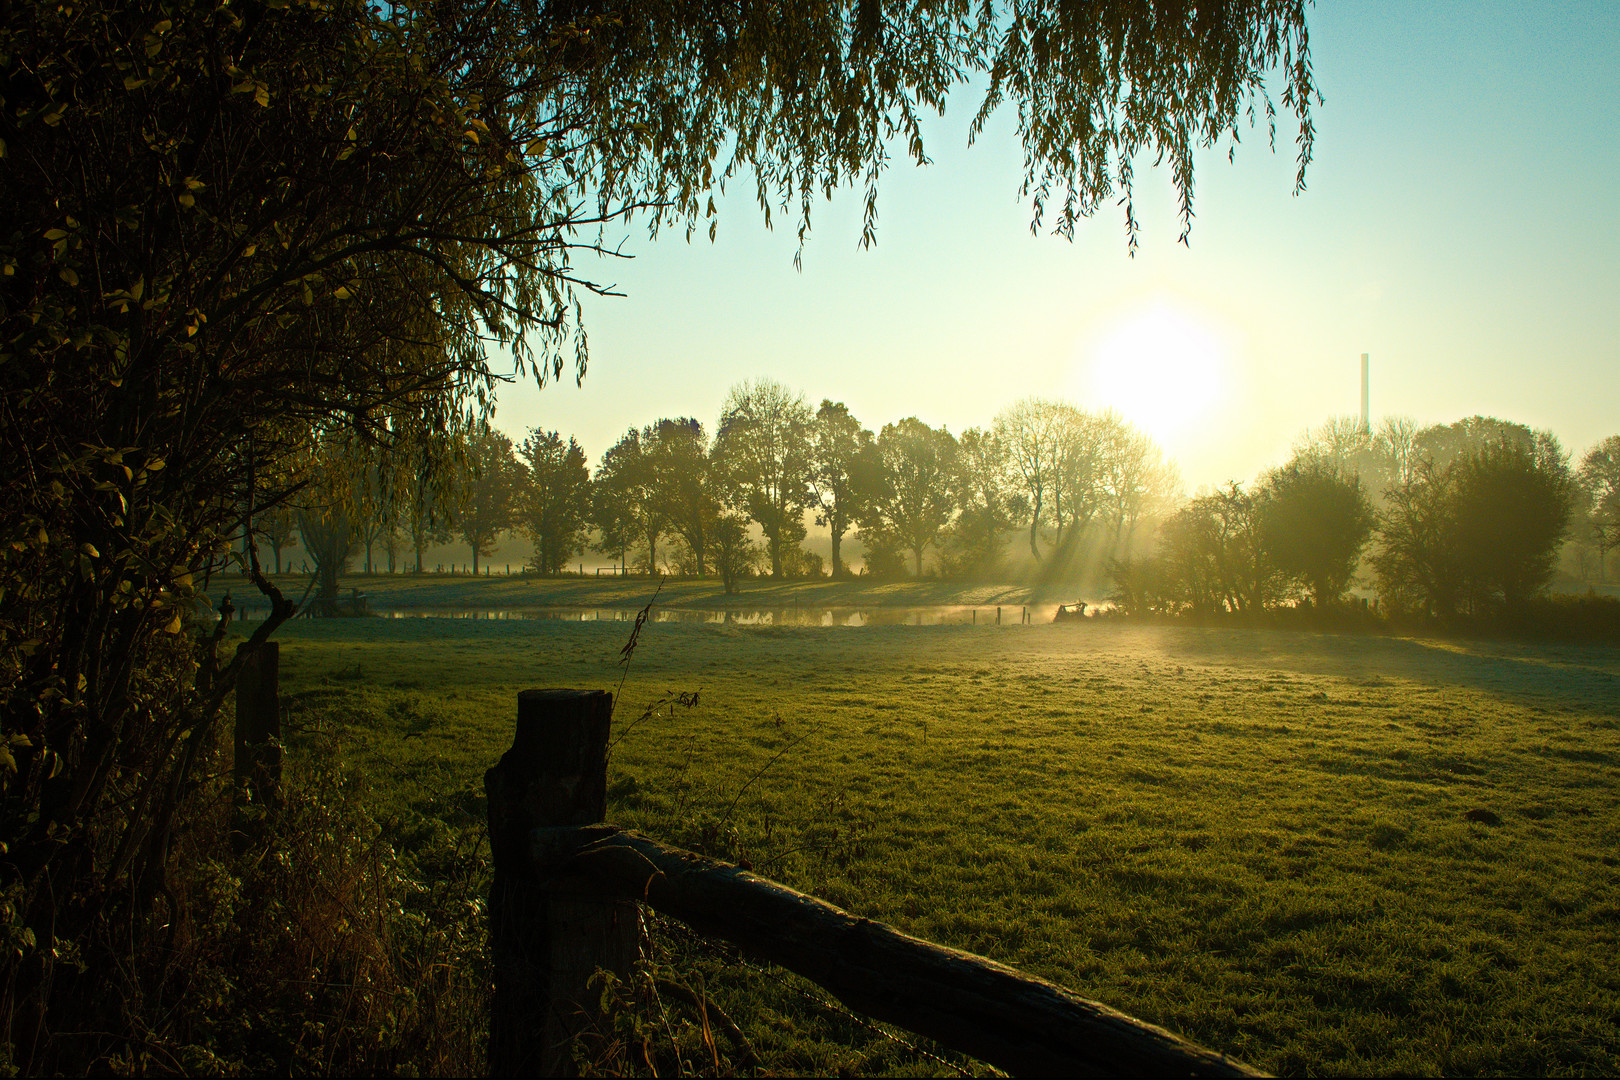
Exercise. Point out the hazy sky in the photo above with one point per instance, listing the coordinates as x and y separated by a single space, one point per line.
1460 225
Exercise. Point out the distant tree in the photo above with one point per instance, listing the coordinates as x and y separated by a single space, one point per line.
491 481
335 498
1341 442
1512 507
763 452
278 526
974 540
1481 529
624 506
736 555
1395 445
1381 454
1133 478
1032 436
839 449
1447 443
553 503
1599 480
1416 559
382 512
1080 460
425 513
1212 557
1314 523
393 542
684 491
918 495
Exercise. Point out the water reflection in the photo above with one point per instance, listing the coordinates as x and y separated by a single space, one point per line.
937 615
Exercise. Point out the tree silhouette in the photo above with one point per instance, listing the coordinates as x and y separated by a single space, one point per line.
624 503
763 452
684 488
1599 480
973 544
917 497
490 485
838 444
1512 508
1314 523
553 503
1481 529
1032 436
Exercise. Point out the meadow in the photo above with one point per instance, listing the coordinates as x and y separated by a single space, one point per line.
1341 854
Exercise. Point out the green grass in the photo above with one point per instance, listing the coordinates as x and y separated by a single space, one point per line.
1255 838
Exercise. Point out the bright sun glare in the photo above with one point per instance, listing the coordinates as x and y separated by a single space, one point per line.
1162 368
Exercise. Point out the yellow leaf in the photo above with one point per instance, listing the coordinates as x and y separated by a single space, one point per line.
174 625
133 82
261 94
187 199
67 274
342 292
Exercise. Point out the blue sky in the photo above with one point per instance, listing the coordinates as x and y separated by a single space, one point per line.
1460 225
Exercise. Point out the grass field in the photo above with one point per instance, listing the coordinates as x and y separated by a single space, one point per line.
1266 841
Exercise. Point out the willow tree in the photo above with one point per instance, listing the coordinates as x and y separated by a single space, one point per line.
228 225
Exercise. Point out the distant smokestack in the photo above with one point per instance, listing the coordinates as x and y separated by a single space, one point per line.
1366 418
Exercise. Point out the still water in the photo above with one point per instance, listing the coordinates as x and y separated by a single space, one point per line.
938 615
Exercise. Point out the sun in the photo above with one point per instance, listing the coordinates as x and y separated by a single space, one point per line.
1161 367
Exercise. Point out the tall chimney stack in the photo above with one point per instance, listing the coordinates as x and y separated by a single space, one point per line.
1366 417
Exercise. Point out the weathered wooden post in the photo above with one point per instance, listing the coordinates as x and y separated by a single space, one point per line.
257 768
549 935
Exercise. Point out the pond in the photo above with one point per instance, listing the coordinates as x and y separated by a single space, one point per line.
933 615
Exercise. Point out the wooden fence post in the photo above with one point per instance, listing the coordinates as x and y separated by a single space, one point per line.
257 768
547 938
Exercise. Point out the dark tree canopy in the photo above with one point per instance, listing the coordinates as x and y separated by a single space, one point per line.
1480 531
554 501
1315 521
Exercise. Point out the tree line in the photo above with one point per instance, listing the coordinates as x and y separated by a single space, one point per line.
1452 519
672 495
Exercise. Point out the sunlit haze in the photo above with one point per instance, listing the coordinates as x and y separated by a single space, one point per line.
1460 225
1162 366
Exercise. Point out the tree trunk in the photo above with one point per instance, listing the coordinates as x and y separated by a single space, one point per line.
1035 527
837 559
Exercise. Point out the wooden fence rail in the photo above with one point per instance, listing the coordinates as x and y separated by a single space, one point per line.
563 906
